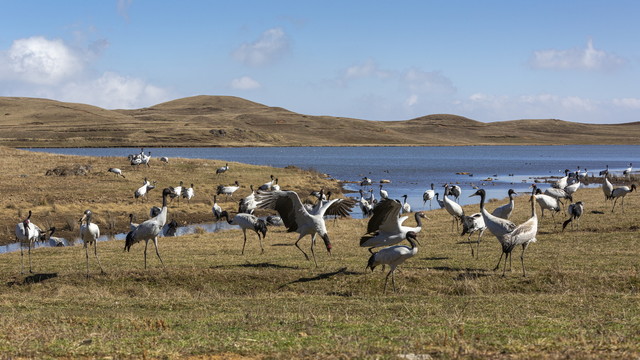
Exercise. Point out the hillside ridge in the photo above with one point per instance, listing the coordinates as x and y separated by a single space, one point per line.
208 120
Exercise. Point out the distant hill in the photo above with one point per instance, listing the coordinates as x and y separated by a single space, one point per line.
231 121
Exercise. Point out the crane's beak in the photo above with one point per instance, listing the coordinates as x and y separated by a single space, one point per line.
84 217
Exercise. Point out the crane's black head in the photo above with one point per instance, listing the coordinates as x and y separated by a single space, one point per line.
371 264
261 227
412 236
480 192
130 240
327 242
166 192
512 192
538 191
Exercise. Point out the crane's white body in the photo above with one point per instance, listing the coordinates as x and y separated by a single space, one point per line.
470 225
393 256
453 208
216 209
150 229
27 233
428 196
247 222
227 190
607 188
523 235
89 233
505 210
620 193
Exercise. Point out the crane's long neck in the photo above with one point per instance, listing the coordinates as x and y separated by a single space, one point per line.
25 225
412 242
418 219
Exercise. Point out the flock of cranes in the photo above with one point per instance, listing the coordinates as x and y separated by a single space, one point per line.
385 230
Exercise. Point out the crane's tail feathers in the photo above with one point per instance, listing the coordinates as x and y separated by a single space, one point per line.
564 225
129 241
365 238
261 226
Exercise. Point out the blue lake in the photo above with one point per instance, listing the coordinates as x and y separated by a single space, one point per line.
411 170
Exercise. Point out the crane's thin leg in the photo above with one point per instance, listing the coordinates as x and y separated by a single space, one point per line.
146 243
614 204
471 246
511 261
260 238
95 251
155 242
478 244
504 268
313 242
430 208
244 232
31 271
299 248
499 261
86 253
386 279
622 204
21 260
393 279
524 247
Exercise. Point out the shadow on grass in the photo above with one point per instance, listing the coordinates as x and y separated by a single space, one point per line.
328 275
259 265
282 244
33 279
435 258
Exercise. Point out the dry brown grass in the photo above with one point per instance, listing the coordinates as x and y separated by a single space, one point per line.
230 121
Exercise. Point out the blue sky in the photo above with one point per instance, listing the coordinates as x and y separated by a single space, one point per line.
486 60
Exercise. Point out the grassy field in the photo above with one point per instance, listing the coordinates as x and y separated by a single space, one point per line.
231 121
580 299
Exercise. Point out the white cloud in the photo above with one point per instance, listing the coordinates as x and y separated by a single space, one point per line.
588 58
245 83
114 91
433 82
366 69
411 100
631 103
271 45
123 8
38 60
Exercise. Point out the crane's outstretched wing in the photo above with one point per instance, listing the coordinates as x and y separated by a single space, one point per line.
385 216
287 204
341 207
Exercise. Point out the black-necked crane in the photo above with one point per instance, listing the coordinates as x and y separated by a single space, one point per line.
620 193
366 182
499 227
572 188
150 230
142 191
575 212
453 208
54 241
428 196
605 171
297 219
116 171
27 232
383 193
267 186
89 233
471 224
132 225
228 190
247 204
216 209
164 159
365 206
248 222
406 207
523 235
176 192
628 170
607 187
394 256
385 226
506 210
188 193
563 181
275 186
146 159
222 170
455 191
546 202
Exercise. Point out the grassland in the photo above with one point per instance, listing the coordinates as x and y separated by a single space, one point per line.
580 299
231 121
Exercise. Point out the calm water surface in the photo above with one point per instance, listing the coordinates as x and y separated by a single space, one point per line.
411 170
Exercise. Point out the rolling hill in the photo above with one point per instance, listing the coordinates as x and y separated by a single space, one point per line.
231 121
